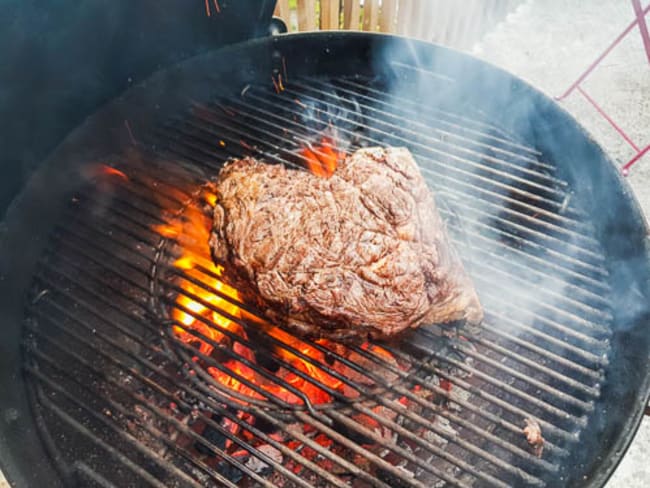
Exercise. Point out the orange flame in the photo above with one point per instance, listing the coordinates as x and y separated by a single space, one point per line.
322 159
99 170
193 232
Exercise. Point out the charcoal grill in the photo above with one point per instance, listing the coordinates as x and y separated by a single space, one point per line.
102 392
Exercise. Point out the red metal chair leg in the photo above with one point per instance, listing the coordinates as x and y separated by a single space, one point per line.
639 21
643 27
626 167
602 56
608 118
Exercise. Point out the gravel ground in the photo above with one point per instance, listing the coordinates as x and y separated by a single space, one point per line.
549 43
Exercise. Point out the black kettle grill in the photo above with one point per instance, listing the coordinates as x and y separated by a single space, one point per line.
99 391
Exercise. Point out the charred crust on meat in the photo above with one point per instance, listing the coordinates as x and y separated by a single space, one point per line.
362 254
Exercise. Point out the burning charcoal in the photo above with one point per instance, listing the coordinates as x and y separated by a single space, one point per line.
266 427
360 379
444 425
267 362
434 438
533 433
257 465
370 423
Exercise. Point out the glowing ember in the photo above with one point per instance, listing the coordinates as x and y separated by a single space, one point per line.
93 171
192 231
322 159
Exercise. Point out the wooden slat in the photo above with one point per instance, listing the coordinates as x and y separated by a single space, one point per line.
370 15
329 14
473 25
413 27
441 10
307 15
282 10
351 14
388 17
423 20
428 19
404 10
455 26
491 14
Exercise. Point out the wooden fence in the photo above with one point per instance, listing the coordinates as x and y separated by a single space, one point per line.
457 23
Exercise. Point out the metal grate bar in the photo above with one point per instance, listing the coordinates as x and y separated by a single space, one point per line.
87 471
585 321
529 275
579 256
249 128
595 373
181 427
462 124
478 181
381 118
174 398
543 388
403 391
535 365
548 427
586 278
88 434
587 344
108 278
178 425
201 147
445 137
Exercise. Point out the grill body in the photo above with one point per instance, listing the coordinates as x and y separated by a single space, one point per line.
551 235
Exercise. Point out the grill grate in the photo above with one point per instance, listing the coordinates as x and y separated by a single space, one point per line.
120 398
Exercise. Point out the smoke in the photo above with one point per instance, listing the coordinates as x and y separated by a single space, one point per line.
555 244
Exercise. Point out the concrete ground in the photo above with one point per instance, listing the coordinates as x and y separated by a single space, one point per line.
549 43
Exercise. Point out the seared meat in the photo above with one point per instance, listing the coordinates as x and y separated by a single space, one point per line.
533 433
361 254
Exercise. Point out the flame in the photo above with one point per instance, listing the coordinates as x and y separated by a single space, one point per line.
322 159
99 170
108 170
200 309
193 232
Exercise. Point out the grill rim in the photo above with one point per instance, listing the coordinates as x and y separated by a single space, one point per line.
66 158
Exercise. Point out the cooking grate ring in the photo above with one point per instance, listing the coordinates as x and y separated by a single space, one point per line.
114 391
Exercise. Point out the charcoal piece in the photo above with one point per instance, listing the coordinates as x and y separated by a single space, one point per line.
214 437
